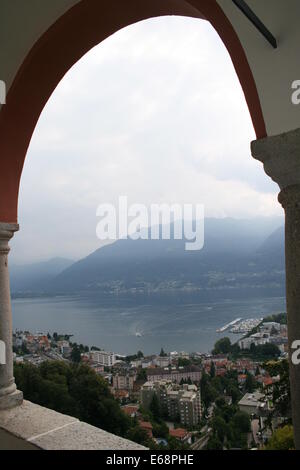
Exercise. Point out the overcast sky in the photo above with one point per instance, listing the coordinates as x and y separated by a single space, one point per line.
155 112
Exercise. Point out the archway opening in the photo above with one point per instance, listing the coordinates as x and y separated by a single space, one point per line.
72 37
158 135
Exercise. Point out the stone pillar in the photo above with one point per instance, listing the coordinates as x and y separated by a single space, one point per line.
281 158
9 395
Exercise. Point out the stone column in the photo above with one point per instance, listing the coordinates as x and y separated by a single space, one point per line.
9 395
281 158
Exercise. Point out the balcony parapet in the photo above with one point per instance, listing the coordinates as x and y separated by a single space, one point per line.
33 427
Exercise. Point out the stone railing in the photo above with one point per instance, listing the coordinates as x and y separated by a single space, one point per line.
33 427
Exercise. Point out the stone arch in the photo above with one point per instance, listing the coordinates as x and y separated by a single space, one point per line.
81 28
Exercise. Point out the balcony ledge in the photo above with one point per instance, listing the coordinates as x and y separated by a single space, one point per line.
33 427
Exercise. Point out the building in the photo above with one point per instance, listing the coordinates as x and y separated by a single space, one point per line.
176 375
181 435
124 381
253 403
181 403
106 359
162 361
131 410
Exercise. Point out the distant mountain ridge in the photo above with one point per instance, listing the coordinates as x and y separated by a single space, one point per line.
31 277
236 255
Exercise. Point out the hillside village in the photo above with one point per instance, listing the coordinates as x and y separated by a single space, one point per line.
192 400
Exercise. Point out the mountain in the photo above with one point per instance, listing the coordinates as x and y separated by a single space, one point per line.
31 277
235 256
272 246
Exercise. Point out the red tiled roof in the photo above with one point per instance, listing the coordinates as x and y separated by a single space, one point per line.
121 393
178 433
267 381
145 425
129 410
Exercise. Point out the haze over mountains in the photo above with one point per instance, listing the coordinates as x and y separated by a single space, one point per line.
238 254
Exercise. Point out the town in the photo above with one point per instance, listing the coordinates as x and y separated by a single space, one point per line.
220 400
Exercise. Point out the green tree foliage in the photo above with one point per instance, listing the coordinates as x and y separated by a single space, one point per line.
282 439
183 362
267 350
162 353
139 435
155 408
220 428
142 374
75 390
214 444
160 430
223 346
212 370
280 392
134 357
277 318
241 422
208 392
250 383
76 354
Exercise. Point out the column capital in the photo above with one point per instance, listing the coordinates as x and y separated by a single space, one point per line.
290 197
280 155
6 233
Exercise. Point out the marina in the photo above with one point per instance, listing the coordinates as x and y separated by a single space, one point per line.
240 326
229 325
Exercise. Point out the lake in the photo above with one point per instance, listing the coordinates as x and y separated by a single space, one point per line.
112 323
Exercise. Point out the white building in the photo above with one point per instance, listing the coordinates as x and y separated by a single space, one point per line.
104 358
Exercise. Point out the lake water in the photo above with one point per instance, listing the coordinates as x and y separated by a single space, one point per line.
112 324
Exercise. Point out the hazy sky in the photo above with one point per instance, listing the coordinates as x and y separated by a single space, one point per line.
155 112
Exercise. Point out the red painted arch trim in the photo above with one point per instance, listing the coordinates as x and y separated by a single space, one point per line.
215 15
76 32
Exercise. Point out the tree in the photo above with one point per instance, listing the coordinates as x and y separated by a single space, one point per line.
160 430
250 383
241 422
75 354
282 439
162 353
142 374
140 354
280 392
183 362
155 407
208 392
223 346
75 390
138 435
214 444
212 370
219 428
